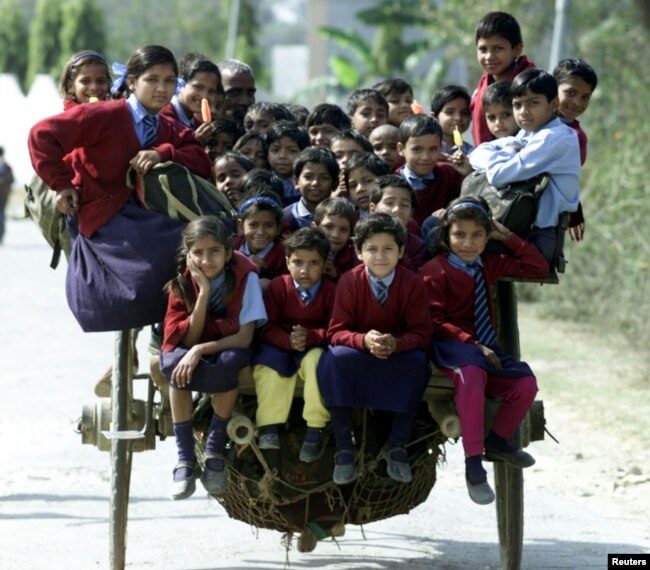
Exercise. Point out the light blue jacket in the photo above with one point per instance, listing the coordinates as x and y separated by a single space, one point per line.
553 149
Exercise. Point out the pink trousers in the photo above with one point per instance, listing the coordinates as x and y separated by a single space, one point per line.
472 385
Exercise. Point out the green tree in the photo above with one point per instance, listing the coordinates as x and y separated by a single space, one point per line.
13 40
44 46
83 27
246 49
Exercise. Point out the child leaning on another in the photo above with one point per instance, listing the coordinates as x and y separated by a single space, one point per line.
379 324
576 82
458 283
498 50
291 343
543 145
361 172
215 303
229 170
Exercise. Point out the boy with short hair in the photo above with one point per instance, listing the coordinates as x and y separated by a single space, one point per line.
325 122
285 140
576 82
298 306
379 324
224 136
344 146
497 103
543 145
498 49
367 109
399 95
316 173
436 184
262 115
336 218
384 141
393 195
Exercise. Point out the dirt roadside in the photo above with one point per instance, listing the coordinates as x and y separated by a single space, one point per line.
597 404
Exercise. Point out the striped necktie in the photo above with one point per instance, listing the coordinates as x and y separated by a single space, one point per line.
382 291
484 332
150 130
305 295
215 302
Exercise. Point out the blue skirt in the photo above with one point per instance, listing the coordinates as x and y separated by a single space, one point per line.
353 378
285 362
452 353
115 279
214 373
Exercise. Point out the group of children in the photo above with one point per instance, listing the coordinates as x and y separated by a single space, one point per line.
331 269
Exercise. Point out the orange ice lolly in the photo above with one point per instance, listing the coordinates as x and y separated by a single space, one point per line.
206 114
417 108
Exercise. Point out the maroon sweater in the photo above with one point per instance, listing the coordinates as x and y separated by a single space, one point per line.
480 130
450 290
444 188
177 318
404 314
102 139
284 309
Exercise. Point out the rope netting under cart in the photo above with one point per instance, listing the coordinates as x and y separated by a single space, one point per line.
273 489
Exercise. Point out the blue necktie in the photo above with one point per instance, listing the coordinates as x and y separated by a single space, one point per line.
215 301
484 331
150 130
305 295
382 291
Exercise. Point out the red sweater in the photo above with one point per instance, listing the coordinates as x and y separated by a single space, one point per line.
345 260
103 139
480 130
285 309
275 262
357 311
444 188
450 290
169 111
415 253
177 318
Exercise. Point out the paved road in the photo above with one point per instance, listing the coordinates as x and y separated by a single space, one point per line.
54 491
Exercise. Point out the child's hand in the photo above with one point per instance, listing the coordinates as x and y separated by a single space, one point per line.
182 374
493 359
204 133
144 161
67 201
460 162
577 233
197 274
379 345
257 260
298 338
499 232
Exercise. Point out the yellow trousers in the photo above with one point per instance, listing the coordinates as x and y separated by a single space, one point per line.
275 393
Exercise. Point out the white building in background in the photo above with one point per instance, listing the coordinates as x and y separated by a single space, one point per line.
17 115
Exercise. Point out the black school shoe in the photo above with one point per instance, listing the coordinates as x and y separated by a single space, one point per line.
184 488
476 478
500 449
313 446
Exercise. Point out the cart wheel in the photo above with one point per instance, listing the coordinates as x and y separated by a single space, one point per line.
509 485
121 453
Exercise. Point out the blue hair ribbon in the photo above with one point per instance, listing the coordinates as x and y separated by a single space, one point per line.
119 71
470 205
180 83
255 199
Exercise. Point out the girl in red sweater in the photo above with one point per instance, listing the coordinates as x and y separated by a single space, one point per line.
122 254
458 283
215 303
